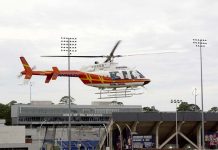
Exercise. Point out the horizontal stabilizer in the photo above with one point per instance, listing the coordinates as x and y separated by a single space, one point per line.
55 73
48 78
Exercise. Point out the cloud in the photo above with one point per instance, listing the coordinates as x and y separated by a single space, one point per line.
33 28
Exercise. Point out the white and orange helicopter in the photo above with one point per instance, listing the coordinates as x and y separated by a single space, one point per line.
108 77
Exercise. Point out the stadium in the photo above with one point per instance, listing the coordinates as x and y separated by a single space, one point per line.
110 125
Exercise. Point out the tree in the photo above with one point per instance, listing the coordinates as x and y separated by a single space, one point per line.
119 103
12 103
5 113
65 100
150 109
184 106
116 103
213 109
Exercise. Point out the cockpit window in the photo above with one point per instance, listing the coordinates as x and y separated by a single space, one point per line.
133 75
140 75
115 75
125 74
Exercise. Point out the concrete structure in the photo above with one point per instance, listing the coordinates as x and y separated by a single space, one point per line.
2 122
46 123
113 125
12 134
161 127
12 137
38 112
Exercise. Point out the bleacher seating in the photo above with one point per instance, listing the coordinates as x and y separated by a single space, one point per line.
88 144
87 137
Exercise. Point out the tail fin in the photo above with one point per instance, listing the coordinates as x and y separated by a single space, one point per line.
28 70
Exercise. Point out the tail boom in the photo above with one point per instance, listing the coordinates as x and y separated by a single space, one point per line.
50 74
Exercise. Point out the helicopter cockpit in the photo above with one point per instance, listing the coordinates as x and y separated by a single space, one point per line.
125 74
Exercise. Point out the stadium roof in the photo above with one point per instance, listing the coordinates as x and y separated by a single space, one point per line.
163 116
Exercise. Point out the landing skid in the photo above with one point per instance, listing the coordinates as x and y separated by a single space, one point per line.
118 93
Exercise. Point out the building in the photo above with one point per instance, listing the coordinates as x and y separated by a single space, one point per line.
158 130
46 123
112 124
9 140
45 112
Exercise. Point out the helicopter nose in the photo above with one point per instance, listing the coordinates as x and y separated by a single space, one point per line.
147 81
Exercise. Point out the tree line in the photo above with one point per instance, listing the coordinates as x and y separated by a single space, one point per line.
184 106
5 112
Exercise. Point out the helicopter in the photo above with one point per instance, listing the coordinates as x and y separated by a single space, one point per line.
111 79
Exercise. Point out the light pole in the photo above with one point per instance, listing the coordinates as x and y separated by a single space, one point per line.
176 102
30 88
194 92
69 45
31 84
201 43
40 134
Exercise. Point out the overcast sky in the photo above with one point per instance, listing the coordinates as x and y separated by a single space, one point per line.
33 28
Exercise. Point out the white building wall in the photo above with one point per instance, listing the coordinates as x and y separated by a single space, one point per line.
12 134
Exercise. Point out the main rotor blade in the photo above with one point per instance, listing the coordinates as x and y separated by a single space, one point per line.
112 52
115 47
102 56
146 53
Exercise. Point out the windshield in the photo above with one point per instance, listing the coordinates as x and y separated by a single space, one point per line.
140 75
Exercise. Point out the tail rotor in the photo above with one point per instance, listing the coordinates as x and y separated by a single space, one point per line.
27 70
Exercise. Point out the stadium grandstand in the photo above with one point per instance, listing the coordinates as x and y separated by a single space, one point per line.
47 123
112 125
157 130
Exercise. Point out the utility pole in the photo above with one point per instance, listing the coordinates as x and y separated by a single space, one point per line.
201 43
176 102
194 92
30 84
69 45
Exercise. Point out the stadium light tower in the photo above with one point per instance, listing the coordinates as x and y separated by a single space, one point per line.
194 92
68 45
176 102
201 43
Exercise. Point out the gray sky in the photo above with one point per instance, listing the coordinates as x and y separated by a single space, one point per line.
33 28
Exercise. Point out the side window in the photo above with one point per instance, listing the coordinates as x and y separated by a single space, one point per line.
125 75
133 76
140 75
114 75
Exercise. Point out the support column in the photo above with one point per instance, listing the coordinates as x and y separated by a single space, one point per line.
111 138
131 135
187 139
157 133
121 136
134 126
172 135
199 136
166 141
